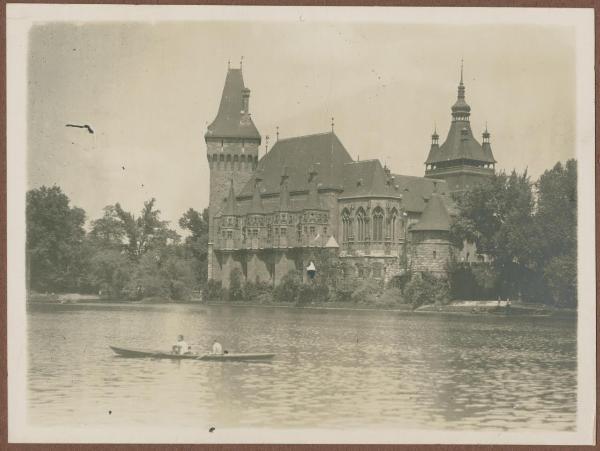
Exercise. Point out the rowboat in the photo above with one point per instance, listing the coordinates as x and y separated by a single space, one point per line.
132 353
144 353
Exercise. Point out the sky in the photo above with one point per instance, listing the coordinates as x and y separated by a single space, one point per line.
149 90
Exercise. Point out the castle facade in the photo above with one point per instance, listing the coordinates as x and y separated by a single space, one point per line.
307 196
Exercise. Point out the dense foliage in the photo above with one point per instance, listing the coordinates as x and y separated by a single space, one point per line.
56 253
123 256
530 232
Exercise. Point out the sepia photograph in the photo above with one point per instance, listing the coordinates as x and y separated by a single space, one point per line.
300 225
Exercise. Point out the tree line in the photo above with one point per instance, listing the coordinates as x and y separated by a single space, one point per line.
527 228
121 256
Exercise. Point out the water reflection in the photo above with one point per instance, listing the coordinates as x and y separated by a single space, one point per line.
333 369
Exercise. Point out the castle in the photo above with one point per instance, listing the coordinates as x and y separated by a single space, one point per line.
307 195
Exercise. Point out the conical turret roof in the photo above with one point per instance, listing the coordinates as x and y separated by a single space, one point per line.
435 216
232 120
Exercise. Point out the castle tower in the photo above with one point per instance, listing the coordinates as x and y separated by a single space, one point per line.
430 240
232 143
460 160
228 221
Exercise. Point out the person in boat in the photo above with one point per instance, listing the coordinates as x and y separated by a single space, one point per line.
217 348
180 347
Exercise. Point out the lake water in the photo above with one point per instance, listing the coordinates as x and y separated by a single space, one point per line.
333 368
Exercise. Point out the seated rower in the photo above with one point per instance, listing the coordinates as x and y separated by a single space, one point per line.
217 348
180 347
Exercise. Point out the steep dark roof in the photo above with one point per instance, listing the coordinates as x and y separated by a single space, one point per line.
460 144
297 154
366 178
231 121
434 217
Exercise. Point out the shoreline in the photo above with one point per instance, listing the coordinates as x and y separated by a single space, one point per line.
454 308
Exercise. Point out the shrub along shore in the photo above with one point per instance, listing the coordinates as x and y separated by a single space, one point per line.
422 293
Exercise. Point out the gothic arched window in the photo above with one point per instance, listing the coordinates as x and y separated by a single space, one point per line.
378 224
346 231
360 224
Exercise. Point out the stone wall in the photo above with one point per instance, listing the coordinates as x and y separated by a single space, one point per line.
259 267
430 251
461 180
284 263
377 268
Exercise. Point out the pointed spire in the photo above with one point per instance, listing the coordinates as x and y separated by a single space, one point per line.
230 207
256 207
435 137
277 132
313 202
461 86
284 194
241 62
332 124
461 109
486 134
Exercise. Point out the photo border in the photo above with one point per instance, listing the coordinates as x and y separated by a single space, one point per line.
7 248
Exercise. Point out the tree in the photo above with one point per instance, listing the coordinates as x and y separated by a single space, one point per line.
107 232
196 244
498 217
56 255
236 292
110 272
163 275
145 232
556 230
